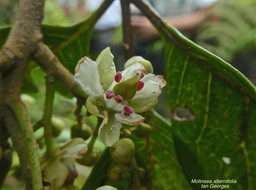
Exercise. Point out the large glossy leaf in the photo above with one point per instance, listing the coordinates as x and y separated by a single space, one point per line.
213 115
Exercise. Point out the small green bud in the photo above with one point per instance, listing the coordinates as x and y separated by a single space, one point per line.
138 59
89 158
126 132
115 173
123 151
57 126
143 129
85 132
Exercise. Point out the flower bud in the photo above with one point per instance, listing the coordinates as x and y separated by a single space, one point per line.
85 132
57 126
123 151
89 158
143 129
138 59
115 173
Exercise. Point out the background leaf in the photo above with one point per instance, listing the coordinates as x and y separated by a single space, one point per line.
69 44
222 101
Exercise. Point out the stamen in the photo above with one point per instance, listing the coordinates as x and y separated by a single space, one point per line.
109 94
118 98
118 77
127 110
140 85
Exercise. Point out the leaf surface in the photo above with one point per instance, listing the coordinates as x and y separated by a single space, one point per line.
219 137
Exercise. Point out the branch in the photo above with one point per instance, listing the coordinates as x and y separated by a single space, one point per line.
127 29
14 54
7 59
24 34
52 66
17 122
96 15
154 18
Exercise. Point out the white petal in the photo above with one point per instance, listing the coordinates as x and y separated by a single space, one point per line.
133 119
106 68
147 97
130 71
112 104
55 173
106 187
87 76
76 151
138 59
152 86
109 130
141 104
74 148
91 107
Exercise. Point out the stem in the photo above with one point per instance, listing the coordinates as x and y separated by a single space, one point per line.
48 107
78 112
52 66
19 126
150 163
94 137
98 176
135 174
127 29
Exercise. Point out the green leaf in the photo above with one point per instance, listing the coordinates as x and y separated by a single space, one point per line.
218 118
166 171
70 44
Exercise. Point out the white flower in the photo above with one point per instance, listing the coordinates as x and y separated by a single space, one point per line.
118 97
59 169
106 187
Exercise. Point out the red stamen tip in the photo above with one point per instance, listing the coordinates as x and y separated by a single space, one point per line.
118 98
140 85
109 94
127 110
118 77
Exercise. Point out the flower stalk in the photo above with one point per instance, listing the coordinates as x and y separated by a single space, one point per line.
48 109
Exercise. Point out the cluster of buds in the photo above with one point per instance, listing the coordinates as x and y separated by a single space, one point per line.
118 97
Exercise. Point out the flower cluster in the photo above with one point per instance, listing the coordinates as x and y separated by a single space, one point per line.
118 97
59 168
